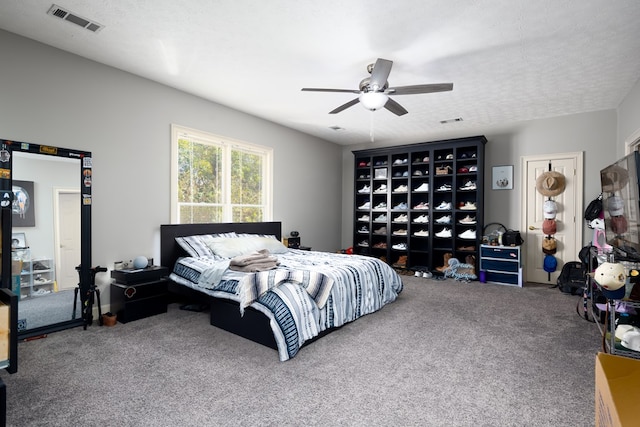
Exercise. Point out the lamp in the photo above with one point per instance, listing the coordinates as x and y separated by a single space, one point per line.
373 100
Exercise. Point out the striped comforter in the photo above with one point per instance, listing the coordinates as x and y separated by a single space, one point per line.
359 285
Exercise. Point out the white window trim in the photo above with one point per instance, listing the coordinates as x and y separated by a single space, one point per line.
180 131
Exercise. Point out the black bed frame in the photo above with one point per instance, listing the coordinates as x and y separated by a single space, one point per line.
225 314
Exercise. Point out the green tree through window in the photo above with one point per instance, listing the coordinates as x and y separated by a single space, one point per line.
215 179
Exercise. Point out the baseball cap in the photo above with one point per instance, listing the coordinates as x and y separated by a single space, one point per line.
549 226
550 263
611 278
550 209
615 206
631 340
549 245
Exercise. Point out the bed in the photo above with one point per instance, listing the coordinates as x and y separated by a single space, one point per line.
304 296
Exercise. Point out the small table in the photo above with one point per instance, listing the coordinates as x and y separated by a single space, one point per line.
137 294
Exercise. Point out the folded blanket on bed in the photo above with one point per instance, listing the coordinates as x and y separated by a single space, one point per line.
318 285
260 260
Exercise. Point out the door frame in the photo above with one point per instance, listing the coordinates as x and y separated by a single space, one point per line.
578 157
56 225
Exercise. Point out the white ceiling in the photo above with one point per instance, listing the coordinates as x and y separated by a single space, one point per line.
509 60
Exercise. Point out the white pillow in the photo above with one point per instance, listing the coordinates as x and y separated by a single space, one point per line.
196 245
232 247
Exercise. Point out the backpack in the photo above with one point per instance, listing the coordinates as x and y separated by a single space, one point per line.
593 209
572 278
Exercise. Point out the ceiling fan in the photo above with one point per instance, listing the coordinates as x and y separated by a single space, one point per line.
374 91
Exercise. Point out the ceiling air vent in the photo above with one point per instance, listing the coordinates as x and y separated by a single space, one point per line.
63 14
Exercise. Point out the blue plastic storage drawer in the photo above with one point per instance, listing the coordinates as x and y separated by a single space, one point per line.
511 279
490 264
499 252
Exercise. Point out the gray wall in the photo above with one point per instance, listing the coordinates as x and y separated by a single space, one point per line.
628 120
55 98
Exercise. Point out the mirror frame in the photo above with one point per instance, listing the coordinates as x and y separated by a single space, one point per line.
6 187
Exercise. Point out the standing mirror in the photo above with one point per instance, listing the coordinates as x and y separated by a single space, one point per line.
47 234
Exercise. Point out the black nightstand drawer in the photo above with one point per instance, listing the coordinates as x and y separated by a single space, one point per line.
140 300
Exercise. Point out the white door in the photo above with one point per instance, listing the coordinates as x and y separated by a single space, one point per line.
568 219
67 238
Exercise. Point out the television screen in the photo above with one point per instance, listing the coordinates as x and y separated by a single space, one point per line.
620 204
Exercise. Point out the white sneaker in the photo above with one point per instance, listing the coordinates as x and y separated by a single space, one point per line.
468 186
468 220
399 246
468 206
444 187
366 205
445 232
401 218
380 218
469 234
400 232
421 233
444 206
423 187
364 218
381 189
444 220
421 219
401 189
364 189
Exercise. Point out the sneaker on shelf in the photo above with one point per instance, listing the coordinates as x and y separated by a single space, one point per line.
421 233
468 186
366 205
421 205
400 232
364 218
473 168
381 230
399 246
444 206
364 244
401 189
426 159
468 206
405 173
363 229
417 172
381 189
421 219
381 205
446 219
427 275
364 189
397 162
423 187
468 220
444 233
469 234
380 245
444 187
449 156
400 206
466 248
380 218
401 218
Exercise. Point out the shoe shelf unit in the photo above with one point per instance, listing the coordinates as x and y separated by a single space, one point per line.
415 203
37 276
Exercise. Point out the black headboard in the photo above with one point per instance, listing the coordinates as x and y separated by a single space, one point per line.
170 251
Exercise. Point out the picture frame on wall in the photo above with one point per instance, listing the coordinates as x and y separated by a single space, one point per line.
502 177
23 208
18 241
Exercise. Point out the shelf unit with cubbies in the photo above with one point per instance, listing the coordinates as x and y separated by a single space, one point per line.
415 203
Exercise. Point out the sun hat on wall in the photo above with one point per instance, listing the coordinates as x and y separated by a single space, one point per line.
550 183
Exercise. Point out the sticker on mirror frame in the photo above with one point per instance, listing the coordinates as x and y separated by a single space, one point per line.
24 146
87 181
87 162
86 199
45 149
5 173
86 172
6 198
4 155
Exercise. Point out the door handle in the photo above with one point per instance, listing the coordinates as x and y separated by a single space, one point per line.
531 227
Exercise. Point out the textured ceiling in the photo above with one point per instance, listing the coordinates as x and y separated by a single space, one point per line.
509 60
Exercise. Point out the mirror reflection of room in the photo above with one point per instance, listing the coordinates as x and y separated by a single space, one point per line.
45 238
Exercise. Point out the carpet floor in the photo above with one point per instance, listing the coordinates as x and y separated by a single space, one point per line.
446 353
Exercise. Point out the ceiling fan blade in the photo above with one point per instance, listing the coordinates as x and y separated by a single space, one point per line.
415 89
345 106
314 89
380 73
395 108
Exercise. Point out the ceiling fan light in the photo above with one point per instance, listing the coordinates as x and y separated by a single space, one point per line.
373 100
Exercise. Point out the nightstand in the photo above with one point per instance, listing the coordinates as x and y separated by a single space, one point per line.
137 294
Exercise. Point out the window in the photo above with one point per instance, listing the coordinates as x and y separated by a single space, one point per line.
217 179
